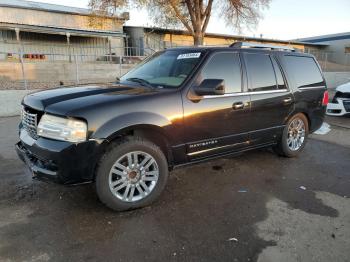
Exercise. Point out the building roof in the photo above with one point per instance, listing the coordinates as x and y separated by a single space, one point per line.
233 37
52 8
60 30
325 38
43 6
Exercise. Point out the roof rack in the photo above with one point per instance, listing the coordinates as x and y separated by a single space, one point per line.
262 46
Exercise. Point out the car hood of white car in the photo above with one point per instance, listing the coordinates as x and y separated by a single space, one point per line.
344 88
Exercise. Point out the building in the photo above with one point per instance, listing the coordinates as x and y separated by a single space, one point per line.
160 38
53 32
43 45
336 47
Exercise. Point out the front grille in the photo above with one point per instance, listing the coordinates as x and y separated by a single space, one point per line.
346 104
30 122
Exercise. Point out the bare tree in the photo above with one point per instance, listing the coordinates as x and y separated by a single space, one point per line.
193 15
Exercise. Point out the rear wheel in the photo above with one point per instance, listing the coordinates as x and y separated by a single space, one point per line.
294 136
132 174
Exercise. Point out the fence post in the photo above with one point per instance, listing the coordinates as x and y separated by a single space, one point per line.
76 69
110 48
22 66
69 47
120 65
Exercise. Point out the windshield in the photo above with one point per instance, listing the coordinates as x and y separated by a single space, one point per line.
164 69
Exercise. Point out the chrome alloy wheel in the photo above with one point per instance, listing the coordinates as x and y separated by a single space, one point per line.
296 134
133 176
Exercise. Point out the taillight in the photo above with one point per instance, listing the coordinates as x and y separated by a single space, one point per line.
325 98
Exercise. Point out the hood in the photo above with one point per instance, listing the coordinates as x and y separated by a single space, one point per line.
344 88
61 101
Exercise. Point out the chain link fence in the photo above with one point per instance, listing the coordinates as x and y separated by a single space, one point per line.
332 61
33 67
23 70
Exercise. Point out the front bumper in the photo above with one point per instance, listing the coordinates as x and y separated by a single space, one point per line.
59 161
339 109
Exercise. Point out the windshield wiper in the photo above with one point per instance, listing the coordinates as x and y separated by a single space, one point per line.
140 81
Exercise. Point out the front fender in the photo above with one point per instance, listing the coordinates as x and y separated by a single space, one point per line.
118 123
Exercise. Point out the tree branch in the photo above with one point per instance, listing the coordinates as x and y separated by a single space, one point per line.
191 12
180 16
201 9
207 14
198 11
194 15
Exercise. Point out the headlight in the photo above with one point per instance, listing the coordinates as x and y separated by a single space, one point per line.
60 128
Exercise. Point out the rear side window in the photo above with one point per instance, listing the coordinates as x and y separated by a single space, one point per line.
224 66
261 72
279 77
304 71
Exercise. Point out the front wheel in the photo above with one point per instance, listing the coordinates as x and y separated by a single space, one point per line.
132 174
294 136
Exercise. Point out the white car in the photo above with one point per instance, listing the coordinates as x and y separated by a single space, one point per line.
340 104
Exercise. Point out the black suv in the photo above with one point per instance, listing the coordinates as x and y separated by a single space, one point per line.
178 107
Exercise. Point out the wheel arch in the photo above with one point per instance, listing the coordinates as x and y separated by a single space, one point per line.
153 133
305 113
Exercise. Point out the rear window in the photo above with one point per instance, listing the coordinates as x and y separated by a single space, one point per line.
261 72
279 77
304 71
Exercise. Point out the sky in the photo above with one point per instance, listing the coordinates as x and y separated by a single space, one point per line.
284 19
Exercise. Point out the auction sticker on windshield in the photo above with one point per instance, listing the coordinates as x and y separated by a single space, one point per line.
189 55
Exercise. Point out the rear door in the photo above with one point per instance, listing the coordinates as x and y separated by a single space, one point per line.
271 101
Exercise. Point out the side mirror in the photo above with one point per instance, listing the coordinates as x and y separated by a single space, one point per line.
210 87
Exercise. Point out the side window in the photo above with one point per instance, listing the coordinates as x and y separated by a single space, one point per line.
224 66
279 77
304 71
261 73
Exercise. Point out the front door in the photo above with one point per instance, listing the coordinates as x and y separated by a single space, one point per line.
218 124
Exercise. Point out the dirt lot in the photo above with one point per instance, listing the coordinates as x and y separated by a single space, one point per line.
255 207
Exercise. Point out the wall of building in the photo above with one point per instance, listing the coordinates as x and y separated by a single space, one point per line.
140 43
58 20
135 36
83 42
158 40
154 41
337 51
55 47
117 46
35 43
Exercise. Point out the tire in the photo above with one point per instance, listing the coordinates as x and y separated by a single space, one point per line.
284 147
132 177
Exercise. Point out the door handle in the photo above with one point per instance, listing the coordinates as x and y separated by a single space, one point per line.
287 100
238 105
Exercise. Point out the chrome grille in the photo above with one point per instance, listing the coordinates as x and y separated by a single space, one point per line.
29 122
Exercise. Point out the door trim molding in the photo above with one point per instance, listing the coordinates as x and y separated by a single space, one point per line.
311 87
247 93
216 148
